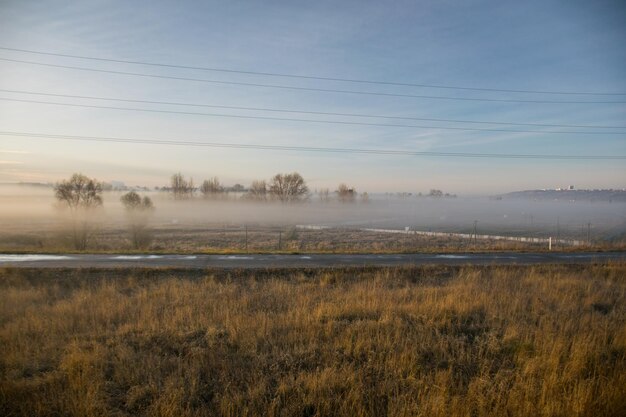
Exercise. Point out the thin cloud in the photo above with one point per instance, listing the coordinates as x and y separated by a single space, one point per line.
10 162
13 151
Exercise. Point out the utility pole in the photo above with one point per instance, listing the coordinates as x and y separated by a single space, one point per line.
246 227
280 239
589 233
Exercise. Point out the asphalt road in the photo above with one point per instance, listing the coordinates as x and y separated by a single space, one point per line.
255 261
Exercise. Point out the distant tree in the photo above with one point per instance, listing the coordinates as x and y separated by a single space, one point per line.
238 188
180 187
133 202
435 193
79 192
288 187
324 195
257 191
82 195
211 188
138 211
365 197
346 194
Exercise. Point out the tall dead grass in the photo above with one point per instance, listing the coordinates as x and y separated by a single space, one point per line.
541 341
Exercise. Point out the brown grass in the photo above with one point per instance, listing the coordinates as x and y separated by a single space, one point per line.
531 341
265 239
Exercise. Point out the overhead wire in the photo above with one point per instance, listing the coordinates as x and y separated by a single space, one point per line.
297 88
310 148
309 77
286 119
265 109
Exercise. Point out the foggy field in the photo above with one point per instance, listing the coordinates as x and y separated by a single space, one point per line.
432 341
31 220
232 238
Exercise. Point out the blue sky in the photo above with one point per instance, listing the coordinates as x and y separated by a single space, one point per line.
531 45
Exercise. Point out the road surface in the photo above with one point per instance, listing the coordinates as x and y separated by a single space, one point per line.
255 261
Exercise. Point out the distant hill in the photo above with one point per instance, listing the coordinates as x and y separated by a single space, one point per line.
567 195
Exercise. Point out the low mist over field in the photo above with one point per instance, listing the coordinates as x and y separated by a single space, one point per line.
24 206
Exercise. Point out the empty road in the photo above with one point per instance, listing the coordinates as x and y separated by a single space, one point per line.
255 261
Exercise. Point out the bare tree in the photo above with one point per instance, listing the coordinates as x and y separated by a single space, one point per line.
82 195
237 188
138 211
346 194
211 188
435 193
288 187
133 201
257 191
324 195
180 187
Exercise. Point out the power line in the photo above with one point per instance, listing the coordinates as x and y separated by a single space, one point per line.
311 149
286 119
309 77
174 103
322 90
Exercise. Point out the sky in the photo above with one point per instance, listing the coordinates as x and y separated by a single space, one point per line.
557 46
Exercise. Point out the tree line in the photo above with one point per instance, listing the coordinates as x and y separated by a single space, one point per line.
287 188
82 197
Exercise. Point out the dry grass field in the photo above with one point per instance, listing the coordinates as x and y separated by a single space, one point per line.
213 238
505 341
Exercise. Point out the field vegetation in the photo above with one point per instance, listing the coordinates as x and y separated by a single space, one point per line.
238 238
427 341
